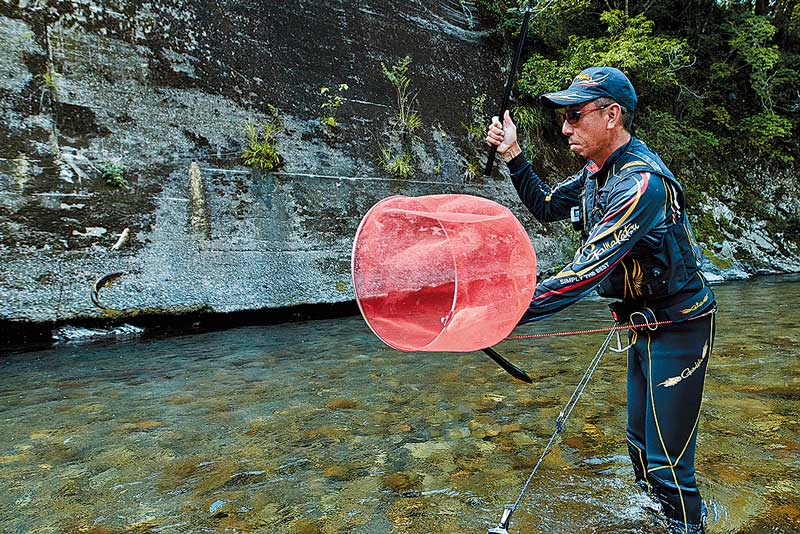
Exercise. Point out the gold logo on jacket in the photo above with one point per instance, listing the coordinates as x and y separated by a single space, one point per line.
695 306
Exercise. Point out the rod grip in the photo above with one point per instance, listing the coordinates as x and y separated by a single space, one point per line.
490 161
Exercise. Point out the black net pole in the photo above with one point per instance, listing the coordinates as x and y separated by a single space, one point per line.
510 83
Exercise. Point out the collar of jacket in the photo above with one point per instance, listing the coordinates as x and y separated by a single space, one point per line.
596 171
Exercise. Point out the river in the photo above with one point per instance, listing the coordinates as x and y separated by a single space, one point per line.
317 427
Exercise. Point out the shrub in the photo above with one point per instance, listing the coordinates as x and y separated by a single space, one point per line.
261 151
113 174
399 165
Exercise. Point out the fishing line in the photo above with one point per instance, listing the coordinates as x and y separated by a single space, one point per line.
563 416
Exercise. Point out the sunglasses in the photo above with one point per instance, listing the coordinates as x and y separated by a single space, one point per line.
572 116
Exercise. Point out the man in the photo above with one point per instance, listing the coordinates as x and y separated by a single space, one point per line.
638 247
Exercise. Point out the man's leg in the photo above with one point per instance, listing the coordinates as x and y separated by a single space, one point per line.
637 404
676 361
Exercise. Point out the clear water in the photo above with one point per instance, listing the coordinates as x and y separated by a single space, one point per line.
318 428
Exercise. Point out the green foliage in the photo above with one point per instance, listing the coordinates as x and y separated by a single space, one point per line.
332 102
398 165
629 44
50 81
261 151
529 119
113 174
406 120
476 127
541 75
678 143
632 47
794 20
764 133
752 35
473 169
561 19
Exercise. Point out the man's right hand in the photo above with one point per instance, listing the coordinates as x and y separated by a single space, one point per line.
502 135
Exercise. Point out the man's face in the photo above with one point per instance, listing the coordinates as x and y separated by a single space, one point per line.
589 136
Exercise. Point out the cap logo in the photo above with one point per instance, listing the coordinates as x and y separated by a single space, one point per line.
593 82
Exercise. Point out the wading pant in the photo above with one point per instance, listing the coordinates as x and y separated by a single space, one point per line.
666 371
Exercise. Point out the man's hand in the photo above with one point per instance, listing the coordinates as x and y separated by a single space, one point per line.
502 135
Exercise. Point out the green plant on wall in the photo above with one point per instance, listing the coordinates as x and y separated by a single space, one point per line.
332 103
260 150
113 174
475 127
473 169
49 86
406 120
476 132
50 81
399 165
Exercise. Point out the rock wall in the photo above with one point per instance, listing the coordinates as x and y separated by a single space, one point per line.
164 90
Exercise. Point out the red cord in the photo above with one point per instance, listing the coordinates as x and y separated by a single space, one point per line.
596 330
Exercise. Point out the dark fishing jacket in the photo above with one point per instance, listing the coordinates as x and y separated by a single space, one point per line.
637 243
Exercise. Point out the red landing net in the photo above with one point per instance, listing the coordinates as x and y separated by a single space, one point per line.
448 273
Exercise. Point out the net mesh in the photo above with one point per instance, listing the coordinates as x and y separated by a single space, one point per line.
443 272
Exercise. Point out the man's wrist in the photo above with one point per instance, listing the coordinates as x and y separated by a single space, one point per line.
512 152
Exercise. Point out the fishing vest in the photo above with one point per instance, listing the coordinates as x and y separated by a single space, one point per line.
663 268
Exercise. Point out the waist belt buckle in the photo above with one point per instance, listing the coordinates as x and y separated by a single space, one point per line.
644 318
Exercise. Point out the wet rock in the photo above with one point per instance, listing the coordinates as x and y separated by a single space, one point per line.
341 404
246 477
402 512
555 458
305 526
426 449
485 446
483 428
400 428
141 426
220 508
399 482
471 464
487 402
338 472
522 439
728 473
329 432
458 433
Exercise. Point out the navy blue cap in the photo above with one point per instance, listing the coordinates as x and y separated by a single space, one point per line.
591 83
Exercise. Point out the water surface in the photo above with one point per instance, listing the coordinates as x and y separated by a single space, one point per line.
318 428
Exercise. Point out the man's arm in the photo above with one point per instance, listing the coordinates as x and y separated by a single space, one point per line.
635 205
545 203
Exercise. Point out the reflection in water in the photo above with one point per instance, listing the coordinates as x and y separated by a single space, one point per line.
317 427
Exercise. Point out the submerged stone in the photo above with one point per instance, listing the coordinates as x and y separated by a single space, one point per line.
341 404
403 511
337 472
305 526
426 449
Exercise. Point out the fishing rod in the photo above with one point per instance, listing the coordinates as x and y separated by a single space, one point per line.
511 78
510 368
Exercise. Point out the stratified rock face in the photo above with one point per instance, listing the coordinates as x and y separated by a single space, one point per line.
164 89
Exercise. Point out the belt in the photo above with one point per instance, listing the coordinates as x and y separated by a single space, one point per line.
682 310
